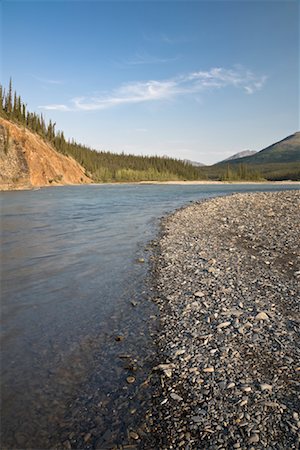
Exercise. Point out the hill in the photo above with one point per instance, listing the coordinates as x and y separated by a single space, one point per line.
26 161
194 163
285 151
277 162
240 155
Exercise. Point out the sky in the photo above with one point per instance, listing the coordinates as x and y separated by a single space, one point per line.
188 79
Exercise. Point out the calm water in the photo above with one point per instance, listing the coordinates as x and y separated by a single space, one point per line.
69 273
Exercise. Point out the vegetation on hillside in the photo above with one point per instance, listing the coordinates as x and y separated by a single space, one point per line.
103 166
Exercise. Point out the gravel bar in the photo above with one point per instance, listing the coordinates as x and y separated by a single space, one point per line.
227 276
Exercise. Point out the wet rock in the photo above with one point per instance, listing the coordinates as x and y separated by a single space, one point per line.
130 380
133 435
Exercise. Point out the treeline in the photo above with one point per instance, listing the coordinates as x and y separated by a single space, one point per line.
242 172
100 166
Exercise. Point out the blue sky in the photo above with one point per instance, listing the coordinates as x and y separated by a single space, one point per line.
197 80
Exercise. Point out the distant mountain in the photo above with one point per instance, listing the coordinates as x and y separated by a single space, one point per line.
193 163
285 151
240 155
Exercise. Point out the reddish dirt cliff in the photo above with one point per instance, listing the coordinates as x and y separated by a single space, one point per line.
26 161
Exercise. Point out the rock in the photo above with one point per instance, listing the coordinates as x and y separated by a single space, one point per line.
231 385
133 303
224 325
208 369
176 397
253 439
199 294
133 435
87 437
119 338
166 369
262 316
179 352
266 387
141 260
246 389
130 380
197 419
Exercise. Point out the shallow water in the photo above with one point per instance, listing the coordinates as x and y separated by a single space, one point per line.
69 273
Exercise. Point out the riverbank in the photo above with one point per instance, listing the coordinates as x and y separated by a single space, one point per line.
227 275
8 187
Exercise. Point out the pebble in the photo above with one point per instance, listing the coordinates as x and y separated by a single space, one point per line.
133 435
199 294
130 380
254 438
176 397
262 316
87 437
224 325
266 387
243 319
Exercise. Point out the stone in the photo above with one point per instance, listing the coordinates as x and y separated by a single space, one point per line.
87 437
133 435
199 294
223 325
197 419
119 338
208 369
130 380
176 397
253 439
266 387
262 316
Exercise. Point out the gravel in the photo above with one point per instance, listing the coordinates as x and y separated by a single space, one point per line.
227 275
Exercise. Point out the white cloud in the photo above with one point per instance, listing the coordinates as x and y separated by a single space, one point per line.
56 107
47 80
144 58
155 90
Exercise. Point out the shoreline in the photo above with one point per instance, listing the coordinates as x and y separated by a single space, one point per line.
229 361
9 188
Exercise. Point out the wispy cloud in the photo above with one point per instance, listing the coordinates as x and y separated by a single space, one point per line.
144 58
168 39
155 90
47 80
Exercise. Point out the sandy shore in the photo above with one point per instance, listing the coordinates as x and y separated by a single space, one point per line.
228 281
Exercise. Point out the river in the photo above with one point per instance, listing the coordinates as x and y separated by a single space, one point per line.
76 313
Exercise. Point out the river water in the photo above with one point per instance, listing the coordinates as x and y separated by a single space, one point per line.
76 311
